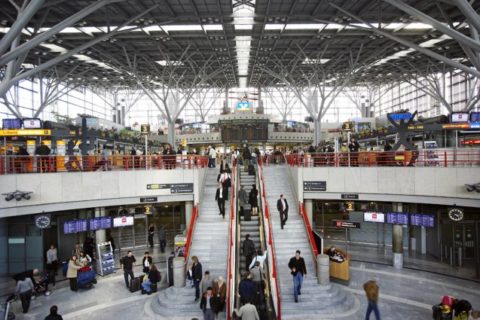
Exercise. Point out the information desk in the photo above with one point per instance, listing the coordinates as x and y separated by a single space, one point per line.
340 270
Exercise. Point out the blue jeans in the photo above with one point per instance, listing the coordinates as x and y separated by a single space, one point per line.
372 306
297 284
146 286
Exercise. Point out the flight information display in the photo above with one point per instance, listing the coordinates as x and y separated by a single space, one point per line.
75 226
11 124
423 220
100 223
397 217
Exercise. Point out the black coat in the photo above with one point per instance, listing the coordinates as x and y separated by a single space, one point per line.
197 271
224 192
299 265
280 206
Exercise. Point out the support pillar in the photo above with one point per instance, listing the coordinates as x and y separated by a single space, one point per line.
423 239
188 214
171 134
100 235
397 241
323 270
309 210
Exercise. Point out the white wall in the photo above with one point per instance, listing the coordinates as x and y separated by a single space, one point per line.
62 190
418 185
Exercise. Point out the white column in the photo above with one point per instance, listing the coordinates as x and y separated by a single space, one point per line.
188 214
423 239
309 210
100 235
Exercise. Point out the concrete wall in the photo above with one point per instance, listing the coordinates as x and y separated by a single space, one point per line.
416 185
69 190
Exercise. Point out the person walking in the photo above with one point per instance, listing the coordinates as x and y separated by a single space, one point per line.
207 281
246 288
220 294
282 207
253 199
25 290
298 271
220 196
52 263
151 233
371 291
146 262
207 304
127 264
72 272
242 198
212 157
196 276
162 238
53 314
248 312
248 250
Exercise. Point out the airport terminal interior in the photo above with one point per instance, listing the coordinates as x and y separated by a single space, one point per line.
240 159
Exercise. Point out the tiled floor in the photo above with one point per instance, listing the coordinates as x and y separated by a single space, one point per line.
404 294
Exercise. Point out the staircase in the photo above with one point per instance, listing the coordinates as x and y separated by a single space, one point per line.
210 245
316 301
248 227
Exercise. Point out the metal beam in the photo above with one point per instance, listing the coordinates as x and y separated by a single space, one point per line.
22 20
5 85
469 12
460 37
409 44
32 43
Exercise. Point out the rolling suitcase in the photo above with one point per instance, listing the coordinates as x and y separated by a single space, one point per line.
135 284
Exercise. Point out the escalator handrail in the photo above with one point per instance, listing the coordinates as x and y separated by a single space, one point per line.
271 253
188 244
232 252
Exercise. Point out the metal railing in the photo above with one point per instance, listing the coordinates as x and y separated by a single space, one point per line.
232 252
272 270
55 163
308 229
420 158
188 243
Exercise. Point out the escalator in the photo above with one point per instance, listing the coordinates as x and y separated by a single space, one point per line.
254 227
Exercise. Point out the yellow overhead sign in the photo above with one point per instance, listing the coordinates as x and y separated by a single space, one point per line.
25 132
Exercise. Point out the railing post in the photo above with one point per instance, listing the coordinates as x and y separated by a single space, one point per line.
445 158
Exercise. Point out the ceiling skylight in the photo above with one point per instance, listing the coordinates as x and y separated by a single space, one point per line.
169 63
180 27
304 26
315 61
274 26
243 20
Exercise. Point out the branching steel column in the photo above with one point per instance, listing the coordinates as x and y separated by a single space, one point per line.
469 12
22 20
460 37
409 44
32 43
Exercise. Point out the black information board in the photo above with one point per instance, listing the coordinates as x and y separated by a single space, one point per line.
314 186
350 196
181 188
148 199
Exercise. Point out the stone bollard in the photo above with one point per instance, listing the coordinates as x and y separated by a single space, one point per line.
179 272
323 270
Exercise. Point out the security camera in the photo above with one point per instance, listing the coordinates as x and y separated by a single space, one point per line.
18 196
26 196
9 197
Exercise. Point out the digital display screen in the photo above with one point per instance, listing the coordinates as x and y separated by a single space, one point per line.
11 124
373 217
397 218
459 117
475 116
32 124
243 105
75 226
291 124
100 223
423 220
123 221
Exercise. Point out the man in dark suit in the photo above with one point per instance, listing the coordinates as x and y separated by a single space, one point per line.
282 207
221 196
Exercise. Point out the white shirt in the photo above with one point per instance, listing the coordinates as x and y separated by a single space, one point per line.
220 194
260 259
284 205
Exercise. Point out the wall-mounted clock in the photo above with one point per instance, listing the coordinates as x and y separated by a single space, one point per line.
455 214
43 221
